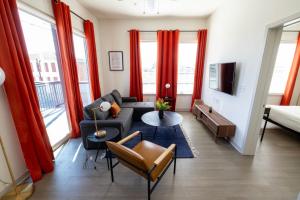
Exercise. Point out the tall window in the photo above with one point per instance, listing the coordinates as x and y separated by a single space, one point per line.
282 68
186 67
148 57
40 38
82 68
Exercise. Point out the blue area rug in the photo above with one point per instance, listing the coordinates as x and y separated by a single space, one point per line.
165 136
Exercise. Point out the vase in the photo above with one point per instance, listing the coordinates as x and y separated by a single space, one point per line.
161 114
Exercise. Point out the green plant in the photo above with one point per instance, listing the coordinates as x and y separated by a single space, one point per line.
162 105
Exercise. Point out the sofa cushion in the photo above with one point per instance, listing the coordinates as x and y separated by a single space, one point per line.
117 96
125 117
108 98
89 113
138 105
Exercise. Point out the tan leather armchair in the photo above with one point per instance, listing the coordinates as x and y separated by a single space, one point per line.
146 159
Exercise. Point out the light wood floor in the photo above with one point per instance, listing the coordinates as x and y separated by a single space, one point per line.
219 172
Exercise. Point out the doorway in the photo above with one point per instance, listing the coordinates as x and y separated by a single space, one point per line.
275 45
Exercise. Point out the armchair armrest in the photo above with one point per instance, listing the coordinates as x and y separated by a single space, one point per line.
164 154
130 137
129 99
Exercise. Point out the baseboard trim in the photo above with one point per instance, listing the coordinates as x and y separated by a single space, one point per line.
237 147
19 180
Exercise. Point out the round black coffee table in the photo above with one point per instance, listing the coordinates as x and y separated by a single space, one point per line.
171 119
111 133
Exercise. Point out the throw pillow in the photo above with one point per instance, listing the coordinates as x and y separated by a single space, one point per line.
115 109
117 96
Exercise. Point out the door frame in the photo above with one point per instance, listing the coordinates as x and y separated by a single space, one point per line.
273 37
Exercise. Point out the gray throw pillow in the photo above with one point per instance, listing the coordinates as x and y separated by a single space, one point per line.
108 98
117 96
99 114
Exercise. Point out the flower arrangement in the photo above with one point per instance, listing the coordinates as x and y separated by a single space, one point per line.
162 105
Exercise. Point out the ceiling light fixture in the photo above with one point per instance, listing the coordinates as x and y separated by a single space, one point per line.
151 6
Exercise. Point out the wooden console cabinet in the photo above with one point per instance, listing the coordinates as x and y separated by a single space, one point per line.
216 123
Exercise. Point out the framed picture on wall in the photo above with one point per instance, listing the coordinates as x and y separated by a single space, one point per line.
116 61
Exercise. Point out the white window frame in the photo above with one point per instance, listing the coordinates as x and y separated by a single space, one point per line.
186 42
149 94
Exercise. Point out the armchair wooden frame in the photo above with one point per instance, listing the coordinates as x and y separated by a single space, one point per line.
171 148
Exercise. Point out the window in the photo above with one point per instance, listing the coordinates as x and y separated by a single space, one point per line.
282 68
186 67
40 40
148 57
82 68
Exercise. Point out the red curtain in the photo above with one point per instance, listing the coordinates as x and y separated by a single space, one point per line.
21 93
68 62
288 93
199 68
136 83
167 64
92 59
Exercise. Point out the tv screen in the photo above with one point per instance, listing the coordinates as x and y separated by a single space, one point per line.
221 77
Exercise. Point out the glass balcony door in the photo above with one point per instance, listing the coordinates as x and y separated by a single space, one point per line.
40 38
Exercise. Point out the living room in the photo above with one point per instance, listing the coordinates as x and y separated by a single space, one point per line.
244 34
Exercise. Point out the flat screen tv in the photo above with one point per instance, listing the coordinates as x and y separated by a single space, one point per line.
221 77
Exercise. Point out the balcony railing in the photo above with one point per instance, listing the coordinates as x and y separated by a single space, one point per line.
50 94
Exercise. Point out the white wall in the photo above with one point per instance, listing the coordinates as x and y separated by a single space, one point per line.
114 37
237 32
11 143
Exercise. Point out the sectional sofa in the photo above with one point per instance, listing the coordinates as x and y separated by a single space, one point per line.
131 110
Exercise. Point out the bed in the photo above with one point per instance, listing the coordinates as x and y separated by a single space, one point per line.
287 117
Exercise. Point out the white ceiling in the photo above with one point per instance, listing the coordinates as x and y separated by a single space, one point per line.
136 8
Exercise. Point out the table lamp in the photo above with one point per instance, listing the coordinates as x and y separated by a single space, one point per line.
20 191
167 86
103 107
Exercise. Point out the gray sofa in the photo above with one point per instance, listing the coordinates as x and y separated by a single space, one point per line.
130 110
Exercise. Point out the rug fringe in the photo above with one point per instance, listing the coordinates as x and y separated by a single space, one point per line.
195 152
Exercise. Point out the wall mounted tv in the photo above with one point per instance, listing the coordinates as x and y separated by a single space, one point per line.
221 77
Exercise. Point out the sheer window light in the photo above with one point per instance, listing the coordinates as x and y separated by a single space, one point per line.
148 58
186 67
282 68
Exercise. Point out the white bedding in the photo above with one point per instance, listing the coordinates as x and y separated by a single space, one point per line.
288 116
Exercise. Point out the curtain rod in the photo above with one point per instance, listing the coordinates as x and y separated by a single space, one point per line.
187 31
74 13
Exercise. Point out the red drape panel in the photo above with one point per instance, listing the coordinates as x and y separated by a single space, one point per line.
92 60
288 93
21 93
199 68
68 63
167 64
136 83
